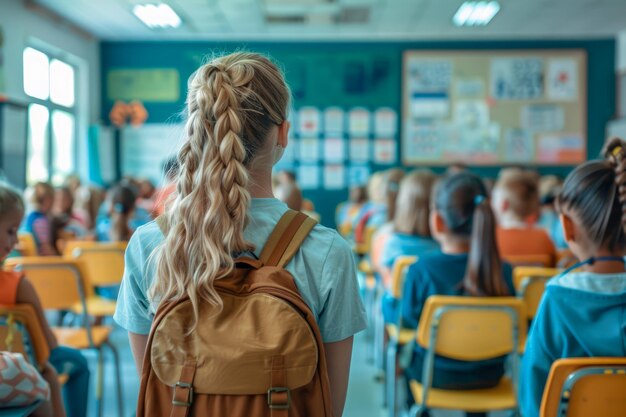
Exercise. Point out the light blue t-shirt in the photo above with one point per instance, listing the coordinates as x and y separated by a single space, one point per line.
402 244
323 269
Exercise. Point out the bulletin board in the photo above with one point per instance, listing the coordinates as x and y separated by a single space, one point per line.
494 107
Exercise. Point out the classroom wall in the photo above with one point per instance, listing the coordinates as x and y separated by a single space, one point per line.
24 27
351 74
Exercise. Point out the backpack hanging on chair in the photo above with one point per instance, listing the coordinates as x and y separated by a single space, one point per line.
260 355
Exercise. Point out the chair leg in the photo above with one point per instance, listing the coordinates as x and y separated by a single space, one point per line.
416 410
118 377
100 383
390 380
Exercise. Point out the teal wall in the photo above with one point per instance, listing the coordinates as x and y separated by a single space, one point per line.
349 74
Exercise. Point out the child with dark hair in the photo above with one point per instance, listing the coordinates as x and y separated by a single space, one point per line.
582 312
462 222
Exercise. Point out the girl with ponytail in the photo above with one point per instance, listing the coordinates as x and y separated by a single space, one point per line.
582 312
236 130
462 221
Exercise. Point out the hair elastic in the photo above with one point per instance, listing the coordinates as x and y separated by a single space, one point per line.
616 151
479 199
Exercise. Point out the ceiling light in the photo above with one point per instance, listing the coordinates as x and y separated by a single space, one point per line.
157 16
476 13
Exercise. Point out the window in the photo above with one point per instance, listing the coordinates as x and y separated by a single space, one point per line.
51 84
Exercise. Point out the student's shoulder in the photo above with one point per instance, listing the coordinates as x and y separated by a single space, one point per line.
326 245
146 236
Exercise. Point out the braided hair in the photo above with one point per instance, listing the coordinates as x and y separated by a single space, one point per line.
232 103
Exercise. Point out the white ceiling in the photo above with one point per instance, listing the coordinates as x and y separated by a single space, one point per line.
385 19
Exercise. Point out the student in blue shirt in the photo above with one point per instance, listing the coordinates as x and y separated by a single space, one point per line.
411 231
463 223
582 313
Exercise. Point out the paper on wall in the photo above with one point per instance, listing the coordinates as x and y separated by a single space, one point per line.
543 117
385 122
431 105
562 82
423 143
516 78
359 149
561 148
309 150
471 114
518 145
334 120
334 177
385 151
309 121
359 122
429 74
308 177
334 149
470 88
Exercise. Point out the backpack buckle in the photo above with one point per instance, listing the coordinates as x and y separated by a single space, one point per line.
183 385
278 405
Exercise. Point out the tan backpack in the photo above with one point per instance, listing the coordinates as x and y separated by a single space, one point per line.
261 355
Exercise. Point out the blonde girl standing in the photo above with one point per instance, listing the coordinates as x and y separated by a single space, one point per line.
236 130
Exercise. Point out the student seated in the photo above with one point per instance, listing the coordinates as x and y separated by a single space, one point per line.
37 221
516 205
16 289
411 231
582 313
349 210
463 223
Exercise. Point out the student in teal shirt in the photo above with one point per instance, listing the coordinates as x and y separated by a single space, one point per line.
582 314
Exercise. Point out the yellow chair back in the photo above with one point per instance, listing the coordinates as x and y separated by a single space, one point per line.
398 272
103 262
473 328
364 248
530 284
540 260
26 245
583 387
19 327
59 282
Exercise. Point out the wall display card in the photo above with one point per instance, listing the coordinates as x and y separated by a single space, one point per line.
309 121
469 88
560 149
562 82
385 151
422 144
334 120
385 122
432 105
517 78
429 74
479 145
309 150
358 175
334 149
309 177
518 145
359 122
334 177
471 114
543 117
359 150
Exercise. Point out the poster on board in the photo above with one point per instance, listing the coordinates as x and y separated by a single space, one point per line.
385 122
359 122
309 177
518 145
334 120
334 149
543 117
359 150
562 79
517 78
385 151
309 122
309 150
561 148
334 177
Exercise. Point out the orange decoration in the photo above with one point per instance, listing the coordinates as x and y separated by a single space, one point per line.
121 112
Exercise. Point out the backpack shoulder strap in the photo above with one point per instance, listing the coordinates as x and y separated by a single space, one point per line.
287 237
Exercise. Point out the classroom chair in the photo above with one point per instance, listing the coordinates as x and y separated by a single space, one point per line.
60 285
469 329
26 245
543 260
21 332
583 387
530 283
397 336
103 266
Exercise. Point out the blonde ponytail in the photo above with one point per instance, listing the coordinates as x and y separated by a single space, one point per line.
232 103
